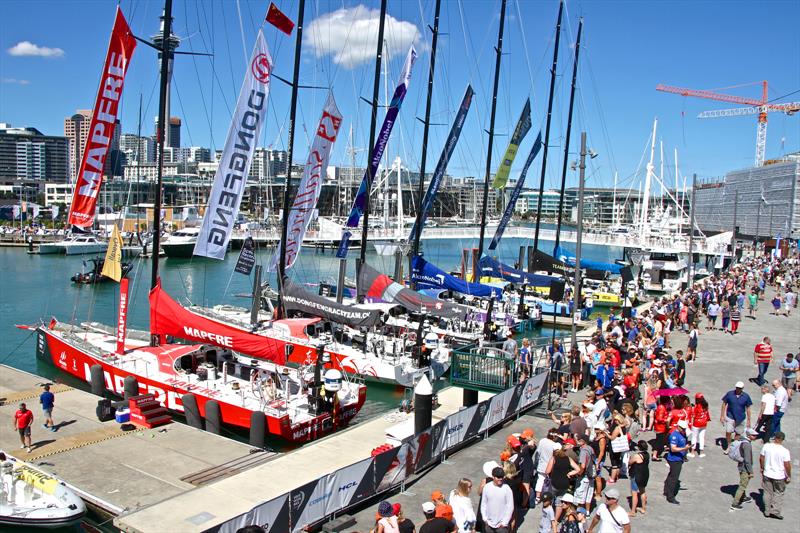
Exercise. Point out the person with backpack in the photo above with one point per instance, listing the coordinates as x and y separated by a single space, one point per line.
741 451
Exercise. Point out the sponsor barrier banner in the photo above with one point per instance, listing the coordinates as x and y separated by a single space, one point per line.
273 516
302 497
247 257
101 128
295 298
305 200
349 485
532 391
444 158
392 467
360 202
237 155
512 202
458 425
498 407
520 131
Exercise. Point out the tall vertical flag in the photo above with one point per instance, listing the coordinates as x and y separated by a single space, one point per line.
310 188
360 202
237 155
276 17
101 129
112 266
537 145
522 129
444 158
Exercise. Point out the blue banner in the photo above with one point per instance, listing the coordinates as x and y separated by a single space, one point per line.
441 166
537 145
490 267
344 244
360 202
427 275
566 257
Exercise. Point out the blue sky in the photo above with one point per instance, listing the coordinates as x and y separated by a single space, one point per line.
628 48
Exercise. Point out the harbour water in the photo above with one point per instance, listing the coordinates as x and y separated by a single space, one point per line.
37 287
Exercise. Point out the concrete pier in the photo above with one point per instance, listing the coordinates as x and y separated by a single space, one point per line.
116 471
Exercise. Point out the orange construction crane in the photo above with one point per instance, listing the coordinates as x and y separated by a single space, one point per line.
758 107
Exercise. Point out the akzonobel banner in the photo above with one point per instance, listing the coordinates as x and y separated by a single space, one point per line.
310 187
273 516
237 155
101 128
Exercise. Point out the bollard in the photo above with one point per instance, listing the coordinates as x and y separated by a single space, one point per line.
191 411
258 429
213 417
131 387
423 405
470 397
97 380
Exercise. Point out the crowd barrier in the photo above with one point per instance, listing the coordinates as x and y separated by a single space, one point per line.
333 493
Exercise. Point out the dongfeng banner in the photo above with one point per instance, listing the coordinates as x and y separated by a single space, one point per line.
237 155
305 200
101 129
523 126
360 202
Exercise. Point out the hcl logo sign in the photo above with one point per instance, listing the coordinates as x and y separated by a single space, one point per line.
348 486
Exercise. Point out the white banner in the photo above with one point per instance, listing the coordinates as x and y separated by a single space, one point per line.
533 390
237 156
457 425
305 199
498 406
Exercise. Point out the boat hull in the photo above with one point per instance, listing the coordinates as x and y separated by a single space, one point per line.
182 250
86 249
77 361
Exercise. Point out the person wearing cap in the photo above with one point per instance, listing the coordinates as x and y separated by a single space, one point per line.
526 466
548 522
735 410
387 523
745 467
433 523
23 421
610 516
678 446
404 525
776 472
463 512
443 509
572 521
497 504
510 345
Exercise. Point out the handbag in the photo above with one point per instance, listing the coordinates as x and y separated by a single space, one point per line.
620 444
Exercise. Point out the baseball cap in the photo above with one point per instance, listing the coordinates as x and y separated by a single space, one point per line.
567 498
600 391
505 456
588 405
527 434
698 396
428 508
513 441
683 424
570 441
488 466
739 385
547 496
396 508
612 493
385 509
437 495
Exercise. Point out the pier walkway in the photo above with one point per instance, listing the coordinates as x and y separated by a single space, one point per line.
115 471
707 483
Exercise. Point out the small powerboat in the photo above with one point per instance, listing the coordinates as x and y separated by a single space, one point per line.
94 274
31 498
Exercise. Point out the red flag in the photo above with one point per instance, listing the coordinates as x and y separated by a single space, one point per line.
279 20
122 315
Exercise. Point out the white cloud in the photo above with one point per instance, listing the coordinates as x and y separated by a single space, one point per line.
14 80
27 48
350 35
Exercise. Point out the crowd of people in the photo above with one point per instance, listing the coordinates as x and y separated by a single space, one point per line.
635 412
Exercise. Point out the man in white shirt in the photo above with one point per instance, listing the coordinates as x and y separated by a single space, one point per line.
546 448
764 424
776 472
600 406
781 404
497 504
610 516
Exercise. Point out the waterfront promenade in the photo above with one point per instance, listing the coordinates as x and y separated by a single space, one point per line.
707 484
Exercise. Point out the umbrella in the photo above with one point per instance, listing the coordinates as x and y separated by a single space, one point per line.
675 391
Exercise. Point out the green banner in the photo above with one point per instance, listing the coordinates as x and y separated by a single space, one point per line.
523 127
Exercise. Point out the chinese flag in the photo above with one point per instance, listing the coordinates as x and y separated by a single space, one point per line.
279 20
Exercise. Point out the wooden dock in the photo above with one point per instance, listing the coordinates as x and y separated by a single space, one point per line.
115 471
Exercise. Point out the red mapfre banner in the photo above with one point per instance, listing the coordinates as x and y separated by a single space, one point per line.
122 317
168 317
101 130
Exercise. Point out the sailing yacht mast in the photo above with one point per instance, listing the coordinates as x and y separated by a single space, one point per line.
372 124
499 55
643 229
547 125
425 130
166 53
290 149
569 130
